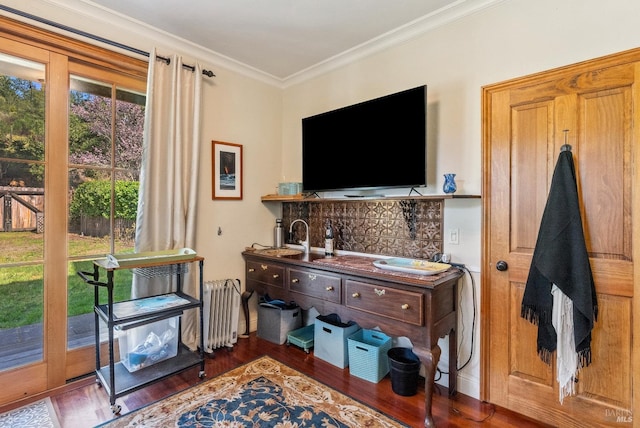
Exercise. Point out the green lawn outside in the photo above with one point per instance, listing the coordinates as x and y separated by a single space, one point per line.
21 287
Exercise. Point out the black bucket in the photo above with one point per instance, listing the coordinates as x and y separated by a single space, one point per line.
404 366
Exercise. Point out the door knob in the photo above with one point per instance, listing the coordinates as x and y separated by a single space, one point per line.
502 265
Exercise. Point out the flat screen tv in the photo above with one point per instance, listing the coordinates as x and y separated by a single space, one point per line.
380 143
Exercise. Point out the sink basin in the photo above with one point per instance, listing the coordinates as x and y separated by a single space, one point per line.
279 252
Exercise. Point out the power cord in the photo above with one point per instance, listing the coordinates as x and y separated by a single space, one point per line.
438 258
473 323
260 245
492 411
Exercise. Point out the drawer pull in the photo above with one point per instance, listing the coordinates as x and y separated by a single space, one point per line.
312 277
264 267
252 270
295 280
329 288
379 292
405 306
355 295
276 276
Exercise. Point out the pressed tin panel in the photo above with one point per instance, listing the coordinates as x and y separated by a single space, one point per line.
394 227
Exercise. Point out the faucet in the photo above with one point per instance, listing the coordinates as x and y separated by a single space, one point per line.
305 243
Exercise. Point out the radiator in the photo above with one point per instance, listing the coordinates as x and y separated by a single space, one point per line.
221 309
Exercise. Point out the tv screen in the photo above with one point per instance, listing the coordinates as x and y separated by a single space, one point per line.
380 143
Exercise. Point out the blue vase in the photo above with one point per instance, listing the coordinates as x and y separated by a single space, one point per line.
449 185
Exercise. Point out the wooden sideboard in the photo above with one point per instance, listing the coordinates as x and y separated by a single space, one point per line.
422 308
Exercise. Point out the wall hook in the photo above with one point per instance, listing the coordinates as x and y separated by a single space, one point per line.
566 146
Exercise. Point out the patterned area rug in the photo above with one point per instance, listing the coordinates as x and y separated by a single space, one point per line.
262 393
40 414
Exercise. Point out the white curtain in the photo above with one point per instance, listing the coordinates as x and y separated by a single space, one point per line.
169 175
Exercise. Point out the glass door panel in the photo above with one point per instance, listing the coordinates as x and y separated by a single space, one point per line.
21 315
105 151
22 190
129 127
89 232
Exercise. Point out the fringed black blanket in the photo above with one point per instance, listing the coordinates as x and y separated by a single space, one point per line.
560 258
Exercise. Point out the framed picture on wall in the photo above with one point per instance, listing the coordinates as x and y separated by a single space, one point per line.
227 170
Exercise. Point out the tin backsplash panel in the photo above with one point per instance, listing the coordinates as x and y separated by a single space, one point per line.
394 227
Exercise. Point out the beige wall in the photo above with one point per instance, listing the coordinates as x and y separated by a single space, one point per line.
239 107
509 39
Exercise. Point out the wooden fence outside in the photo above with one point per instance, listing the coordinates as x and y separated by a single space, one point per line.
22 209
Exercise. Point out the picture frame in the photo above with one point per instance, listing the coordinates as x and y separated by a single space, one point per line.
226 167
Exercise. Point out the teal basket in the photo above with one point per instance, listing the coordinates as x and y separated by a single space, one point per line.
368 354
302 337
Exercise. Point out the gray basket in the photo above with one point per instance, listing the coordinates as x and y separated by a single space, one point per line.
274 322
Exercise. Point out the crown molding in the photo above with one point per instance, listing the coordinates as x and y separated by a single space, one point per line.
87 16
412 30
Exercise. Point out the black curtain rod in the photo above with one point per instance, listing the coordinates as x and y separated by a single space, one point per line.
190 67
208 73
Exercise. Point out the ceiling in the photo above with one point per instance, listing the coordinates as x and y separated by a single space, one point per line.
281 38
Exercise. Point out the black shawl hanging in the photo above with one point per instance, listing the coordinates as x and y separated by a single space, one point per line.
560 257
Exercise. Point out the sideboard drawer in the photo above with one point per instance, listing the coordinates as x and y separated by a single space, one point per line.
401 305
266 273
315 284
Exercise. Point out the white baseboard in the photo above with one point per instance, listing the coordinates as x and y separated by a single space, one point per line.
469 386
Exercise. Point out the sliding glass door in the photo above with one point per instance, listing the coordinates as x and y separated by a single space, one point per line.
70 147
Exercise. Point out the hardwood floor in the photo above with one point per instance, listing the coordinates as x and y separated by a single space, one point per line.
85 404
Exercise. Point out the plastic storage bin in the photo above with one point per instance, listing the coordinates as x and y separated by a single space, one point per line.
148 344
276 319
368 354
330 339
302 337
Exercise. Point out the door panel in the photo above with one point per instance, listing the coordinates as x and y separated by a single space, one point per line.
25 317
521 363
612 358
527 121
532 134
606 196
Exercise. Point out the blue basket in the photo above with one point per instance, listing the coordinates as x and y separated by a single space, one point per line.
330 339
368 354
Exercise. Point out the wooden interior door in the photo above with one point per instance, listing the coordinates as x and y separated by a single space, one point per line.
524 123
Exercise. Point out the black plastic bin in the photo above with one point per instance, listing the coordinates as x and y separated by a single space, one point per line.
404 366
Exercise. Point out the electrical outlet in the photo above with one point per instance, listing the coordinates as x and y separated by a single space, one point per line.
454 236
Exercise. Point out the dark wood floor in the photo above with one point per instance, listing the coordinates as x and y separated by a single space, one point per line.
85 404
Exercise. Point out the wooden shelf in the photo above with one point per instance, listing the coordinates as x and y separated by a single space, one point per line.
300 197
280 198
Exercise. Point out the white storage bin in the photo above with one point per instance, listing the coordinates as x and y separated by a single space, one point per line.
148 344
